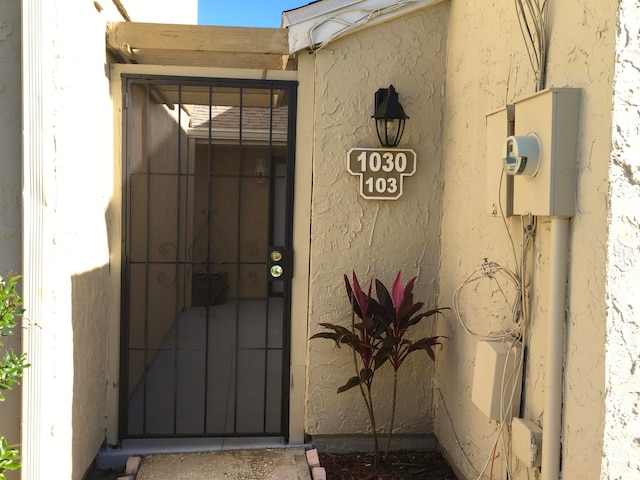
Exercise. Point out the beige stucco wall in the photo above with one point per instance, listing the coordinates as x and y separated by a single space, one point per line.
77 301
78 193
10 181
487 67
622 422
152 142
374 238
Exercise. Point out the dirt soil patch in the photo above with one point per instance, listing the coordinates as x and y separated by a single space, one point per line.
398 466
95 474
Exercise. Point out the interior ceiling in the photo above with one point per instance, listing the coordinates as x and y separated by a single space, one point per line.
202 46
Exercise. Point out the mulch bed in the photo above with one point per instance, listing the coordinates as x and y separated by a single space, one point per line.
398 466
95 474
359 466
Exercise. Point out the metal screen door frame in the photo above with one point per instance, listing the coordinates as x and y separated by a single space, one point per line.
279 172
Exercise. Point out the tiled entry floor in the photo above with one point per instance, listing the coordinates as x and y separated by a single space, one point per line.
239 464
217 372
110 461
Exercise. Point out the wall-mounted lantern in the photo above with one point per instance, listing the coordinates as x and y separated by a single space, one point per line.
390 117
260 170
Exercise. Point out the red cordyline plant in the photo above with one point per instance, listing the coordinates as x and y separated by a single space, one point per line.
379 337
399 313
365 339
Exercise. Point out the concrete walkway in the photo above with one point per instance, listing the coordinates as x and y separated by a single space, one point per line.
264 464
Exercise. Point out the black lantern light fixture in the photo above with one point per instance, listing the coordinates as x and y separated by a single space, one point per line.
390 117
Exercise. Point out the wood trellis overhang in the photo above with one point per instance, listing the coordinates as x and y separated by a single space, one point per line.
201 46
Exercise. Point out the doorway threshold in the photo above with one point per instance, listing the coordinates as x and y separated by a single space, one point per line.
116 457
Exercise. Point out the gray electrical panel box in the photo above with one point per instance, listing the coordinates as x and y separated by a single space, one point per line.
553 116
499 185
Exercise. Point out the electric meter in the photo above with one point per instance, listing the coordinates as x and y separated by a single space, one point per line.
521 155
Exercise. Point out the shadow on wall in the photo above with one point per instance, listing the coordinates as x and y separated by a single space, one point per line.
90 315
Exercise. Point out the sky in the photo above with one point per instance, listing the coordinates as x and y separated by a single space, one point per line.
245 13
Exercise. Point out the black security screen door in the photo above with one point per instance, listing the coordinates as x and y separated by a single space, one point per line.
207 207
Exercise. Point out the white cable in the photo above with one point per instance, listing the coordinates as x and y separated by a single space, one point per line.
511 377
532 19
528 232
504 222
490 270
495 443
520 316
368 15
453 431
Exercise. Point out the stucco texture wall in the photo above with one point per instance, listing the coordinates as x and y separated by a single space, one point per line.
371 237
622 422
79 188
78 156
487 67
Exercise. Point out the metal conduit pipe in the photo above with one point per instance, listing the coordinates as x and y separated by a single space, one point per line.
554 358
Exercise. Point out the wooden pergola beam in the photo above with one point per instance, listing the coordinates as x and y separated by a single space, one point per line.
200 38
206 59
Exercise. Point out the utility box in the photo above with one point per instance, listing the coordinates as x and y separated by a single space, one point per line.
497 368
499 185
526 442
553 116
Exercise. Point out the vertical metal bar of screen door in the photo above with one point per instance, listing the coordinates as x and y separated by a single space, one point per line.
207 209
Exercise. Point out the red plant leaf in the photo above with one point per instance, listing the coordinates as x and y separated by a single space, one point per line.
427 345
359 296
408 288
397 292
386 303
381 357
366 374
352 382
329 335
407 300
390 341
428 313
350 295
367 323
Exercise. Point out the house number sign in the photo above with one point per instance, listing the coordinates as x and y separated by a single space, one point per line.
381 170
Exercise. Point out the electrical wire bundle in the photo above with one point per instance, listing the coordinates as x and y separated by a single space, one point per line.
365 15
532 17
520 315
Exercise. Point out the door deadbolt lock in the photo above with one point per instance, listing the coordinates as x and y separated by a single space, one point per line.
276 255
276 271
279 263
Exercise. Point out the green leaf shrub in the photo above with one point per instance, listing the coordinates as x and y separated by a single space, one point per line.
11 365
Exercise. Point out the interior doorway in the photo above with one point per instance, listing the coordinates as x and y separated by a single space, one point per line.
207 248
